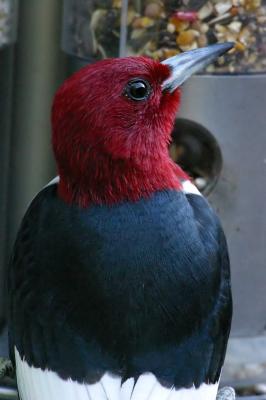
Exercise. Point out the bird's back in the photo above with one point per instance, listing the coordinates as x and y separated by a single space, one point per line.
132 291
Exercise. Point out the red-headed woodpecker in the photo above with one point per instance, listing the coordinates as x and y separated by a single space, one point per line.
119 282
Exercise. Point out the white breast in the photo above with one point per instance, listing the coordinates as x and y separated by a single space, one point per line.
34 383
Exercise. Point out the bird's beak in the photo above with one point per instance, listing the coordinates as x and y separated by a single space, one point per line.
184 65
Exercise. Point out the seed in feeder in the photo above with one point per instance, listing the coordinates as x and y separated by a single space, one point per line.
167 53
200 182
131 15
149 47
179 25
196 25
205 11
221 19
242 12
158 55
231 51
143 22
235 26
261 11
221 60
137 33
234 11
166 39
202 40
230 37
210 68
220 36
189 16
244 36
223 7
252 58
231 68
200 26
220 28
153 10
261 19
252 5
117 3
204 28
192 46
171 27
186 38
252 26
239 46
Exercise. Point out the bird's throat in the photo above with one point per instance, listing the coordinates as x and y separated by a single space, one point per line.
108 182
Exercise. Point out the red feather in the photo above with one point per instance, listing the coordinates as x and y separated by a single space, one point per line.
108 147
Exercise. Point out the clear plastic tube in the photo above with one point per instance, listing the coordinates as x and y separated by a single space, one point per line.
94 29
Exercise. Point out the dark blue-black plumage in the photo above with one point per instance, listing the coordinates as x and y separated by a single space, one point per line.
129 288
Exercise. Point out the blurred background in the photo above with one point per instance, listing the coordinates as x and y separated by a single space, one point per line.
219 135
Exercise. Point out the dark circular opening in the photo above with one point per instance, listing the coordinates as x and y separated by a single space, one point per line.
197 151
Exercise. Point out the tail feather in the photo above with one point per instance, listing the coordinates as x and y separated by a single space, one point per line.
34 383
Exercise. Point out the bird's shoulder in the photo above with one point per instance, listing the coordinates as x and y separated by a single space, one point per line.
175 222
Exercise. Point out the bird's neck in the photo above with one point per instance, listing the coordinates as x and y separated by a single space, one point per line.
108 181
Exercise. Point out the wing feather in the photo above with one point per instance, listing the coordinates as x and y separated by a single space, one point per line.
35 383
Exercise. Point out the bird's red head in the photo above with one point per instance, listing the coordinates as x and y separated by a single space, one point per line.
111 128
112 124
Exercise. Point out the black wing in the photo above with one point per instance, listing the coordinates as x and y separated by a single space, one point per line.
221 317
47 283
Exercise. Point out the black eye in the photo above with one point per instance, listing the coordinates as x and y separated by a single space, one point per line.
138 89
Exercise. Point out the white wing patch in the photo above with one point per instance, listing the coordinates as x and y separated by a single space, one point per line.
54 181
189 188
34 383
144 387
127 389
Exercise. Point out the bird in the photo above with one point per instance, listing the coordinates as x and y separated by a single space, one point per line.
119 280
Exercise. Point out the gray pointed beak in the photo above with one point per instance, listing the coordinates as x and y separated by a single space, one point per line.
184 65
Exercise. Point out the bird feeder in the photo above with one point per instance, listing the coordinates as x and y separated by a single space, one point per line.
8 27
219 136
161 29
